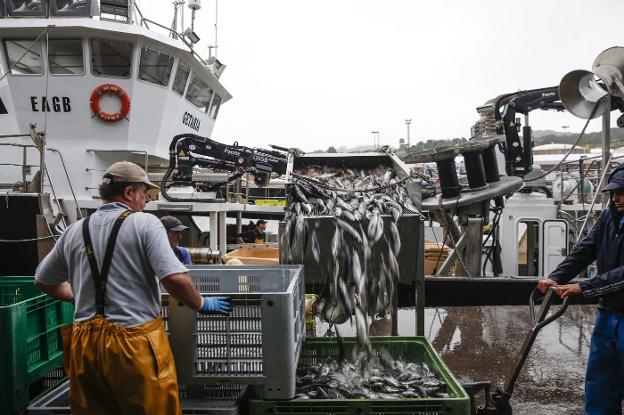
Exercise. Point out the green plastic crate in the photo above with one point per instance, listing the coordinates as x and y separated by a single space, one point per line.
30 341
414 349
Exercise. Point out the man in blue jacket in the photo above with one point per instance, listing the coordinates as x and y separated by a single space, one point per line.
604 383
174 228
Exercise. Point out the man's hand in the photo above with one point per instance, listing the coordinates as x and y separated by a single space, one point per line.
568 290
216 305
543 285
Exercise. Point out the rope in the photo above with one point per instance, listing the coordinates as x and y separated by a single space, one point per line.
7 241
24 54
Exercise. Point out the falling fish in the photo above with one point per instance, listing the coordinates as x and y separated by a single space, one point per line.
361 285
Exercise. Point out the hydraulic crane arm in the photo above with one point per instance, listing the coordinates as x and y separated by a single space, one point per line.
518 150
189 150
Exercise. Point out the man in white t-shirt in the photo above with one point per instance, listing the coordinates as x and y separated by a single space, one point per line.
110 265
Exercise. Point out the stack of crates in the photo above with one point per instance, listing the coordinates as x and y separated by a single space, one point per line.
258 343
31 347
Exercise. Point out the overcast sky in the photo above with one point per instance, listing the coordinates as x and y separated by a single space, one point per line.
311 74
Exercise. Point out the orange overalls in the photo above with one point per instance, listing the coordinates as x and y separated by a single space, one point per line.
114 369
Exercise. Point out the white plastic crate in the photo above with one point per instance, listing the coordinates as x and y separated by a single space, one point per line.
258 343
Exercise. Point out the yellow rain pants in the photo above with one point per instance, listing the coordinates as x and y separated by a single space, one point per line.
120 370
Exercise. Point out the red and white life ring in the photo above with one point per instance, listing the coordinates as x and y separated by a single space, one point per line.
108 116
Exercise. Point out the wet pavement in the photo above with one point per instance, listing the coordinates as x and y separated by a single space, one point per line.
481 343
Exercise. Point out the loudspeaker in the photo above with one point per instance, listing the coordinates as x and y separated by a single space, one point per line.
581 91
609 66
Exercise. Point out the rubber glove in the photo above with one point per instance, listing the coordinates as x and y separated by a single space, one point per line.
216 305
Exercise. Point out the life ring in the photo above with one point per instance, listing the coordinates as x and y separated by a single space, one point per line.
108 116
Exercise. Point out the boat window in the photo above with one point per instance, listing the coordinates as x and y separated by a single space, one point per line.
155 67
23 56
26 8
179 83
111 57
72 8
198 93
65 56
214 107
528 237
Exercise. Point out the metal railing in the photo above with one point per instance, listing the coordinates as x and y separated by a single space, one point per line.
26 167
602 177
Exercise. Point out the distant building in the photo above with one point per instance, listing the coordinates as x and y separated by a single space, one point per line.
553 148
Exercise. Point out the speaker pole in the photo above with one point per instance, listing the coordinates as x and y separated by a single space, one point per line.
606 148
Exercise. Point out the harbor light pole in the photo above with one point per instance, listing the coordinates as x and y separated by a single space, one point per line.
408 122
375 139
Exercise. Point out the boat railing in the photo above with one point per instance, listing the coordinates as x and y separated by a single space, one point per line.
584 170
597 193
178 35
25 167
239 191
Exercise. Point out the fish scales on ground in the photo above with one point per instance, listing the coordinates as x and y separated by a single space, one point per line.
357 199
374 375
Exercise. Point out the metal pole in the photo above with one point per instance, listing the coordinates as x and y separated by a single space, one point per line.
420 283
239 223
604 173
130 9
375 135
39 141
216 45
408 122
24 161
606 145
561 184
214 231
181 5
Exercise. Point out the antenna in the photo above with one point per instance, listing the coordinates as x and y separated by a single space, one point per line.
194 5
408 122
216 45
216 33
174 25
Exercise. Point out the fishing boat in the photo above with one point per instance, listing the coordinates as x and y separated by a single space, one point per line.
85 84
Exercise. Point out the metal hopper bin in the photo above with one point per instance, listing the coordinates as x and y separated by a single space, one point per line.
411 257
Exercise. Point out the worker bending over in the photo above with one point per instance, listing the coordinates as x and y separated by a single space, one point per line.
604 382
255 234
119 359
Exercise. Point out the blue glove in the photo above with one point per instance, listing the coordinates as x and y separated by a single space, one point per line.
216 305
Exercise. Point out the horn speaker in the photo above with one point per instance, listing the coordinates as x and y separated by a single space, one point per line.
581 90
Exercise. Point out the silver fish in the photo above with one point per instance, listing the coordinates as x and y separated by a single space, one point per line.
315 247
395 239
350 230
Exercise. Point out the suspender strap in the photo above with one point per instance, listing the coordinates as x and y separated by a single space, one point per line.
99 278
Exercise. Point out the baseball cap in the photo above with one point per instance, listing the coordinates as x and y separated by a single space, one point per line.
126 172
172 224
261 222
616 181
